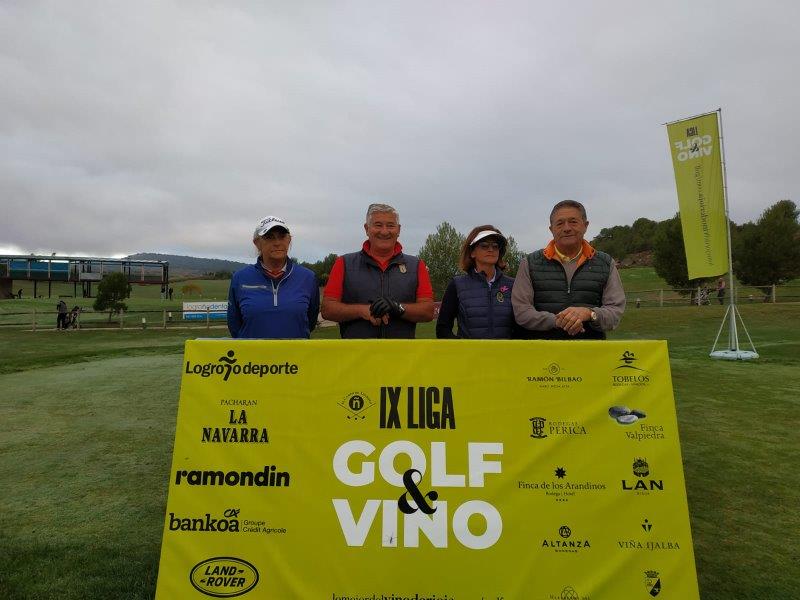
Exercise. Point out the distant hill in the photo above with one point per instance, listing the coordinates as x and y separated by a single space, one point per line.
190 266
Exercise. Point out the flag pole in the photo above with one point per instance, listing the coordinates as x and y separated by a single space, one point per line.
733 352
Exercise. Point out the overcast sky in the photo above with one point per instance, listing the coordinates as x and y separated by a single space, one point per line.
175 126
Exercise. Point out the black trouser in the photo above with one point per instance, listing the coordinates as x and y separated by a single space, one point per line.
61 322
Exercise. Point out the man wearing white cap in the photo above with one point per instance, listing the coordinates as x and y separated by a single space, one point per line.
568 290
379 292
274 298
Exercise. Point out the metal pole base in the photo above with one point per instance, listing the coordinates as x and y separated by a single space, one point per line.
734 354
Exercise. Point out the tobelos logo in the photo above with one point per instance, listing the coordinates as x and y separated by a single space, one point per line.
627 373
224 577
228 365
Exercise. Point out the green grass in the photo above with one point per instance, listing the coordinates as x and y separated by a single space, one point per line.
86 432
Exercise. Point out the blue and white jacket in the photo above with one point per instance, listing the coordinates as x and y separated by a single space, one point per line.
282 308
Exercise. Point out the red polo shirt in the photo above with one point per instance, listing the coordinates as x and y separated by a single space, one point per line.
333 289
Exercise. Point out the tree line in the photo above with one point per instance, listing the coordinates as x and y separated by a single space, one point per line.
765 252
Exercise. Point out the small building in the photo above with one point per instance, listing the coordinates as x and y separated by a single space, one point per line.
81 271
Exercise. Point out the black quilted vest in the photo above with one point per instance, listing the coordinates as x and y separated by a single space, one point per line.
484 313
552 294
364 282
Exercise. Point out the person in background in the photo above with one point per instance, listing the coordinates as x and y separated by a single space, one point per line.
568 290
274 298
61 319
379 292
721 290
480 299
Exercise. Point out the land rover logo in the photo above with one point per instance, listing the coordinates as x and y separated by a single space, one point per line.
224 577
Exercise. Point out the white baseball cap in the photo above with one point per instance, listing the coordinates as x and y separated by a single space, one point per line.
269 223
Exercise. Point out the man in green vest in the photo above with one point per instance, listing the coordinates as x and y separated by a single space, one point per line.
568 290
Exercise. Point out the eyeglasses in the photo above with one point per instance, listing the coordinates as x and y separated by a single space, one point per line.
488 245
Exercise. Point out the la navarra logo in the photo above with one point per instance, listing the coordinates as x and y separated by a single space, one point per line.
228 365
421 502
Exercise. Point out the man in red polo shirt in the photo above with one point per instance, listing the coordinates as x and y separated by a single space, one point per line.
379 292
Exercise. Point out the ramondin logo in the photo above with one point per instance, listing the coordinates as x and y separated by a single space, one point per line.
228 365
224 577
269 477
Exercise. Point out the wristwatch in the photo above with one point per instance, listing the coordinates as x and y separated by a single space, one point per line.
402 309
593 316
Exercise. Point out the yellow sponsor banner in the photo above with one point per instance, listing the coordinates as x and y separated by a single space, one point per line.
427 469
697 160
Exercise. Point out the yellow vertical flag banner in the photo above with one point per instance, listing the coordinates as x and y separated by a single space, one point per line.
697 160
426 470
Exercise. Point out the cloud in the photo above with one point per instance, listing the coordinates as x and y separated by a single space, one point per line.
159 126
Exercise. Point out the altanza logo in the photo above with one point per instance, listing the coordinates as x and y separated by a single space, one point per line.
224 577
229 365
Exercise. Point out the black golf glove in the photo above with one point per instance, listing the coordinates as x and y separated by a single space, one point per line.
379 307
386 306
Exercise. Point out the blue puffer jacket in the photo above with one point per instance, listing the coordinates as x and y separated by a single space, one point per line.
483 312
262 307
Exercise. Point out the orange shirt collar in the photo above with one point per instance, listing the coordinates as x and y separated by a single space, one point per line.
587 252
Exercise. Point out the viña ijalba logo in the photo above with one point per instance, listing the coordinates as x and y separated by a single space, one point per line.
224 577
228 365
